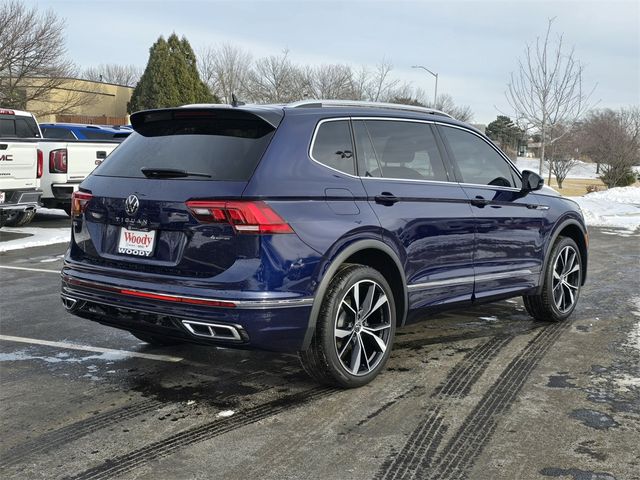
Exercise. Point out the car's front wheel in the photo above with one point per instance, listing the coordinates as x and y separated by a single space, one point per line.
354 329
561 287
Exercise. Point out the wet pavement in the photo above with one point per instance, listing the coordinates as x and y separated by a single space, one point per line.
484 393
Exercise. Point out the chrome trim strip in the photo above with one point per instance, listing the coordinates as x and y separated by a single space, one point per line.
440 283
470 279
243 304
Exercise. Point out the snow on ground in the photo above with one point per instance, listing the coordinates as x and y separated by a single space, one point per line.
37 237
581 170
614 208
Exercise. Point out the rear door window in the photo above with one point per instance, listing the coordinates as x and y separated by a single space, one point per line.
333 147
477 161
400 150
223 147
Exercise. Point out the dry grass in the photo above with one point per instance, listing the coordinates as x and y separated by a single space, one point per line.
575 187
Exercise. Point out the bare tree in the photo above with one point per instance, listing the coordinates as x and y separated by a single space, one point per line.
275 79
564 152
226 70
127 75
547 90
381 85
613 139
329 81
33 61
446 103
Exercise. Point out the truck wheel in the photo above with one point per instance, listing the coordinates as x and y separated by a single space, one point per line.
154 340
19 218
354 329
561 287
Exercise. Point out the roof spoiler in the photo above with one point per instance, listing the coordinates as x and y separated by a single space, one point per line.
146 118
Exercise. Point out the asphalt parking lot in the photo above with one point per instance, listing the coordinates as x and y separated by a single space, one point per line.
484 393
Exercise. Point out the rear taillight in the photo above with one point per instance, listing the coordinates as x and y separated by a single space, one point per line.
79 202
245 216
58 161
39 166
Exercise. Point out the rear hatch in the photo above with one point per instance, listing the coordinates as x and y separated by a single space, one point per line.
165 200
18 151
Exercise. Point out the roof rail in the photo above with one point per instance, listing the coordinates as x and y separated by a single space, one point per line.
358 103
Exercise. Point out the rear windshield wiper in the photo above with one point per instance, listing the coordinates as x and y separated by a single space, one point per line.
170 173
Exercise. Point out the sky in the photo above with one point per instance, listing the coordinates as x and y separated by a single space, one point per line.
472 45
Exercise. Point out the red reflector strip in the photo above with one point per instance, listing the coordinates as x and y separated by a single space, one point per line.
176 299
151 295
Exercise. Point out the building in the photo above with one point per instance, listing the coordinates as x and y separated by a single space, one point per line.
82 101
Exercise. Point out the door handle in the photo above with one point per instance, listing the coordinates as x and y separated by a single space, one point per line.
101 154
386 198
479 202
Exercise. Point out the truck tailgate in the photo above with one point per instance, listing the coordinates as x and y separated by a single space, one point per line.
83 157
18 163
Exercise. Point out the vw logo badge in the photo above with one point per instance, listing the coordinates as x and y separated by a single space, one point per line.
131 205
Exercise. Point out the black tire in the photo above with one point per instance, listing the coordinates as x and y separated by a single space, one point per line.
546 306
322 361
155 340
19 218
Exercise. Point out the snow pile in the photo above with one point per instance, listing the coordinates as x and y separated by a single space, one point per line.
37 237
581 170
615 208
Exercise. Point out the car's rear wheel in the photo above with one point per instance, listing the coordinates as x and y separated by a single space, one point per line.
19 218
155 340
561 287
354 329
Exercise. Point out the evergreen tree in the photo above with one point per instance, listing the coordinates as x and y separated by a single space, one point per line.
504 131
171 77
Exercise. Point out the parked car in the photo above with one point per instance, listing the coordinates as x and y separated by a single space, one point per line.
77 131
317 227
20 167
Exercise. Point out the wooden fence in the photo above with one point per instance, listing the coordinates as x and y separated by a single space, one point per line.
90 120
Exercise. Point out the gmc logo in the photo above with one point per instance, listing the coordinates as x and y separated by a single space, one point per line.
6 158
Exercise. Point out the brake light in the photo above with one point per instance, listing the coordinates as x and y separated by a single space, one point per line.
253 217
39 166
79 201
58 161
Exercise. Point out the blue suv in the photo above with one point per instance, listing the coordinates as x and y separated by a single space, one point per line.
318 227
79 131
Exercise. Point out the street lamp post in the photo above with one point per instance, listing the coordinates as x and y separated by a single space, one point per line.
435 93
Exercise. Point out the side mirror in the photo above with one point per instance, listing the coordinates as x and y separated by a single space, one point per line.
531 181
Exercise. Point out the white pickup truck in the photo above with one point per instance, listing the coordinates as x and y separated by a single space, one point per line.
21 166
67 163
36 170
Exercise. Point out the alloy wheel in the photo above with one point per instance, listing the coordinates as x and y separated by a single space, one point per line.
566 279
362 327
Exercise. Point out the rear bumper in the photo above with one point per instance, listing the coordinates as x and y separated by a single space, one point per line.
21 199
257 320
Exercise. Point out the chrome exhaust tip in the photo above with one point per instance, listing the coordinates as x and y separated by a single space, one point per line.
70 304
212 330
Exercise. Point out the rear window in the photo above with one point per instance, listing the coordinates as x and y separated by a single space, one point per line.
18 127
224 148
102 135
59 133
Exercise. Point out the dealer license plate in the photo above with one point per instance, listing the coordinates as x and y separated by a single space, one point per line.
138 243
